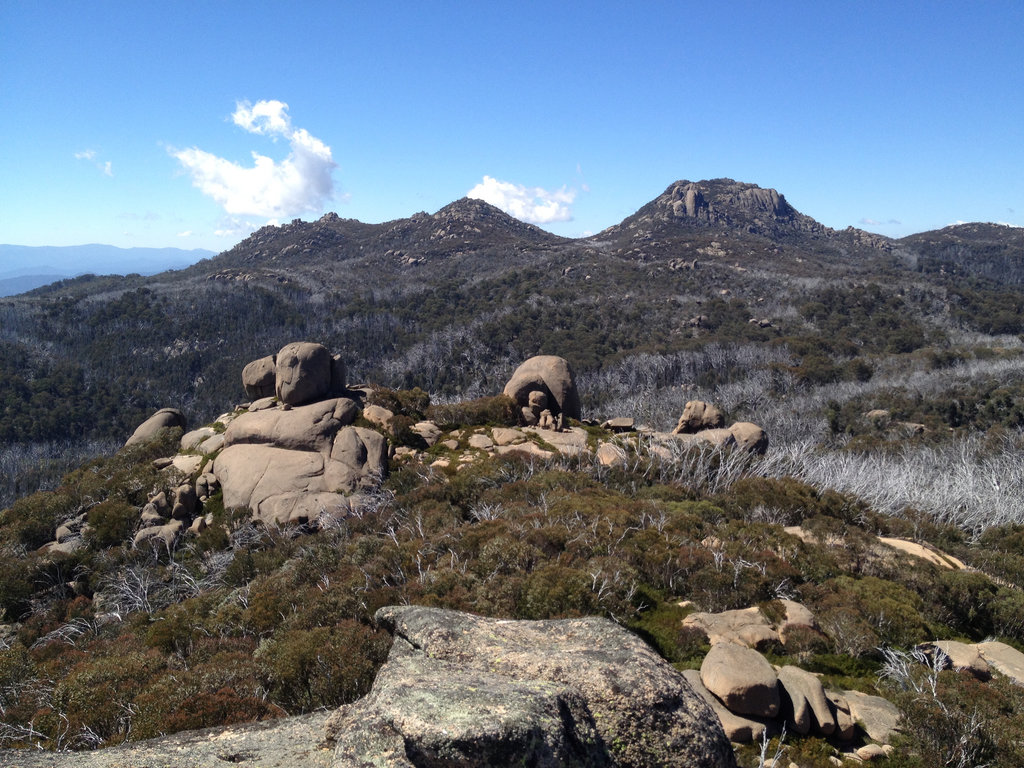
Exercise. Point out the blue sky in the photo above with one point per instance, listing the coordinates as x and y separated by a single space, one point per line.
138 124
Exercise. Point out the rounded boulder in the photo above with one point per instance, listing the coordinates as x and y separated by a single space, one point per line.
303 373
165 418
259 378
742 679
551 375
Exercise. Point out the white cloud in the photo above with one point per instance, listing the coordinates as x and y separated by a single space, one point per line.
869 222
186 233
532 204
264 117
300 183
105 167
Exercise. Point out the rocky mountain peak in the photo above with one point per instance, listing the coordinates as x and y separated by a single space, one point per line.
471 209
724 201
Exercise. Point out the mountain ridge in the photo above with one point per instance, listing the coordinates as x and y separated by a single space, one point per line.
469 286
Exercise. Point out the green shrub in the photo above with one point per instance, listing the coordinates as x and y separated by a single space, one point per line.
861 614
111 522
499 411
965 722
555 591
32 521
98 693
321 667
662 628
412 403
15 587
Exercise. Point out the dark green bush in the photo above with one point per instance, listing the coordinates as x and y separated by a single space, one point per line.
111 522
322 667
412 403
554 591
32 521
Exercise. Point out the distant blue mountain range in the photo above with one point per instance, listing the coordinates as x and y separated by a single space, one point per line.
24 267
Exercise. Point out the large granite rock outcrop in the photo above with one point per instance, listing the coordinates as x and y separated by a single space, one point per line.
463 690
552 385
292 465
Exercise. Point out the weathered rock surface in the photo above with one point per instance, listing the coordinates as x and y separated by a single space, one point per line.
162 534
698 416
570 442
798 619
846 728
963 657
742 679
306 428
877 716
930 554
1004 659
293 465
259 378
463 690
749 437
378 416
283 743
611 455
548 374
190 441
162 419
507 436
738 729
302 373
746 626
808 708
428 430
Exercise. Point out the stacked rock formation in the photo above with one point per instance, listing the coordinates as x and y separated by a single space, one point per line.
295 457
703 421
544 387
751 697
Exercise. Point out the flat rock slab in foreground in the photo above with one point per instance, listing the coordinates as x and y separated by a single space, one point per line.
462 690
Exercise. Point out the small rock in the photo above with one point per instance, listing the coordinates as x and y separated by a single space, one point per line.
808 706
378 416
963 657
747 627
846 728
610 455
749 437
877 716
738 729
428 430
871 752
164 418
507 436
698 416
619 424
